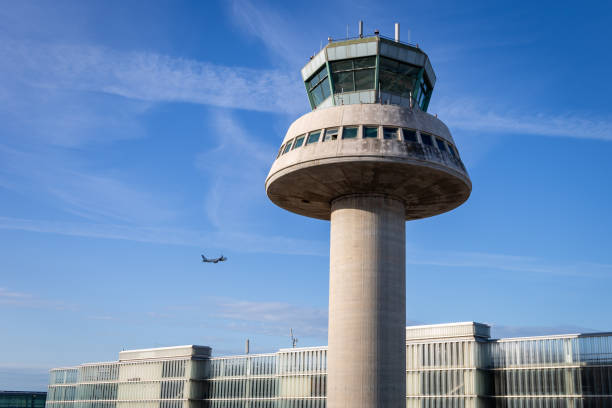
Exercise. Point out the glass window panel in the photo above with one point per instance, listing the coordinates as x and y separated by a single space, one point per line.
353 74
325 88
397 77
370 132
407 69
287 146
389 133
343 65
321 74
343 82
425 91
441 145
395 84
331 134
364 62
451 149
299 141
313 137
317 95
349 132
318 86
311 83
387 64
424 85
364 79
426 139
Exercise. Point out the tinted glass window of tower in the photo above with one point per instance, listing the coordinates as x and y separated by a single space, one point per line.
318 86
331 134
370 132
389 133
349 132
287 146
441 145
313 137
426 139
299 141
410 135
397 77
353 74
424 93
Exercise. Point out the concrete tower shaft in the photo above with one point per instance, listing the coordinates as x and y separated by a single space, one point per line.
367 304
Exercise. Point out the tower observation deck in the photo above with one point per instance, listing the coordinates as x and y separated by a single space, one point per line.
368 158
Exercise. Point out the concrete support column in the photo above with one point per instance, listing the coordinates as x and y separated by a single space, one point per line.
366 361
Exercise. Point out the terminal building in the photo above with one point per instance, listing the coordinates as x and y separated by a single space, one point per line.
454 365
22 399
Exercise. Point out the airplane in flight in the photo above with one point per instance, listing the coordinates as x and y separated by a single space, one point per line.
214 260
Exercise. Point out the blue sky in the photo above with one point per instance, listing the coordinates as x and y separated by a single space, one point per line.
136 135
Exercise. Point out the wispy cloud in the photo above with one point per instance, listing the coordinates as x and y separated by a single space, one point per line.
149 77
107 231
28 300
260 243
102 317
65 118
9 296
274 29
75 188
157 315
506 263
59 97
476 116
245 242
235 169
273 318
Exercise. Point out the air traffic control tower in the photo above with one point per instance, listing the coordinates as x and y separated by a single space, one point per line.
368 158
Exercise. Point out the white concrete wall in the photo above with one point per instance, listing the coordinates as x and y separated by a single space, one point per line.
369 114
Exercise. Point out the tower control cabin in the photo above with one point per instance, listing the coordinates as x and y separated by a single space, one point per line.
368 158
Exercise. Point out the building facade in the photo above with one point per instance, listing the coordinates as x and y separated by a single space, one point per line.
453 365
22 399
170 377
